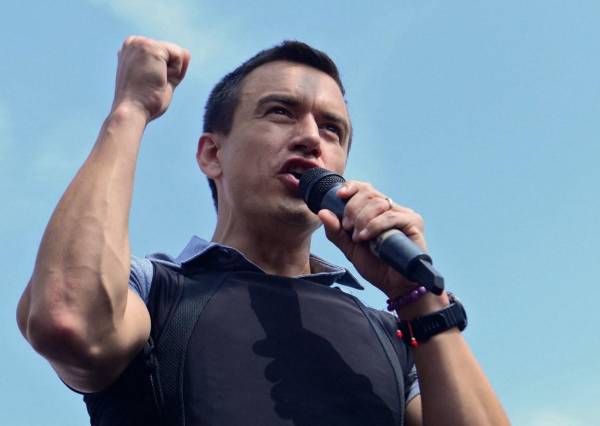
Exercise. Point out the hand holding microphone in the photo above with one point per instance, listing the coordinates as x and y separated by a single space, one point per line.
320 187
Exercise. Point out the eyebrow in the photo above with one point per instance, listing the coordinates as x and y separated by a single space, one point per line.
293 101
278 97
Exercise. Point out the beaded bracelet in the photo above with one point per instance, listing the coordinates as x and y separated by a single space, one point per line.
411 297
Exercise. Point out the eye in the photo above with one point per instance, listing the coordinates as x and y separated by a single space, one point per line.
279 110
333 128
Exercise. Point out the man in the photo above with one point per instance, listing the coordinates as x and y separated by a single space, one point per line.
282 350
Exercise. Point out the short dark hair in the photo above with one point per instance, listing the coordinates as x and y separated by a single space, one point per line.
224 98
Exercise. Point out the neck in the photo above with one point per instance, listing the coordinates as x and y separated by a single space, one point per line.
277 248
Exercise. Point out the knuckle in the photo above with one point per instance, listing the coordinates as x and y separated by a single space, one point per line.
360 185
350 185
383 204
361 222
134 42
419 221
132 39
371 226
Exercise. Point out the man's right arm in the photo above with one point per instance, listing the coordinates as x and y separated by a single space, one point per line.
77 310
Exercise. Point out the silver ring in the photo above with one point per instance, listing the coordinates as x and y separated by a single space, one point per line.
390 202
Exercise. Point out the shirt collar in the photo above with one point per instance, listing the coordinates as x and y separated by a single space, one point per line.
322 271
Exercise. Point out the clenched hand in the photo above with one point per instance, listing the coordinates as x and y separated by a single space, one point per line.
148 73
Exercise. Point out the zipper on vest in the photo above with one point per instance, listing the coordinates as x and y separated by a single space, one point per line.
155 393
153 377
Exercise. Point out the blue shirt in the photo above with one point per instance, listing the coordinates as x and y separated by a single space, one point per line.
211 254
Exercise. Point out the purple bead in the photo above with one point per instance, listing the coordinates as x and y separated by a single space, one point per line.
413 296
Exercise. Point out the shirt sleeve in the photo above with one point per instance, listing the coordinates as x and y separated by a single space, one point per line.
140 276
411 385
409 370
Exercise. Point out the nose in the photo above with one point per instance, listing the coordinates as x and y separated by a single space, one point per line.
307 138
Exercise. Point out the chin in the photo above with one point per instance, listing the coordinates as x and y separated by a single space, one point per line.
299 215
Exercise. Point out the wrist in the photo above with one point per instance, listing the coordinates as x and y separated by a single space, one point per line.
130 112
427 304
422 328
123 129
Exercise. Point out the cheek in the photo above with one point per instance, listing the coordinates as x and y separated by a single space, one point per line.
336 160
253 166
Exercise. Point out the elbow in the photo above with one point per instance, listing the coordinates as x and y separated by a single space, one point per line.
23 312
79 363
79 339
61 328
50 336
60 339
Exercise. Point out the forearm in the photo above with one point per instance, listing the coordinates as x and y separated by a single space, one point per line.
82 268
454 389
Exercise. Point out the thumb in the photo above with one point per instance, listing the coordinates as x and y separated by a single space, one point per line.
177 63
335 232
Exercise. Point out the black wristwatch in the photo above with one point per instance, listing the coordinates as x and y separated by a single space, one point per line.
421 329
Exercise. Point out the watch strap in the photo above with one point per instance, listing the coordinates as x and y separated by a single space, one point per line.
421 329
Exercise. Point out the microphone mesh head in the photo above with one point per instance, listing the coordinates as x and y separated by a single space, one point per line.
315 183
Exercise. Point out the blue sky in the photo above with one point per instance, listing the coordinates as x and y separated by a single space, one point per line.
482 116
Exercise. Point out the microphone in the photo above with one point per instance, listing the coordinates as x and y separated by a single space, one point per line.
319 186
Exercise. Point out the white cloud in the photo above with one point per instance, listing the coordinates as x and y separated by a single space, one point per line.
178 21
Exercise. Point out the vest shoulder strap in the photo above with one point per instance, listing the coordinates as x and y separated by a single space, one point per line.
185 301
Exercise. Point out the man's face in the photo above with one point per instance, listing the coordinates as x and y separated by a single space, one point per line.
290 117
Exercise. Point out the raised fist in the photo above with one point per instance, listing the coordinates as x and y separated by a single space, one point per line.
148 73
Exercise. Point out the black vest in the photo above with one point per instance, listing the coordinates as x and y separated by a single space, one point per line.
247 348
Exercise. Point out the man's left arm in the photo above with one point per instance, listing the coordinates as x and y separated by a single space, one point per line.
454 390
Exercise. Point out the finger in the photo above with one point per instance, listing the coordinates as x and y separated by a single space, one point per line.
348 189
369 210
346 192
182 69
359 195
335 232
408 222
377 206
177 60
330 221
187 57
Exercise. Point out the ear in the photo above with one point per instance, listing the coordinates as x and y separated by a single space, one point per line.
206 156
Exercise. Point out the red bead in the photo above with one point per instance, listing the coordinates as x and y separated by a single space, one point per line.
413 342
399 334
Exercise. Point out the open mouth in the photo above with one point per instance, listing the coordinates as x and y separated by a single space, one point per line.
296 174
292 171
297 166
